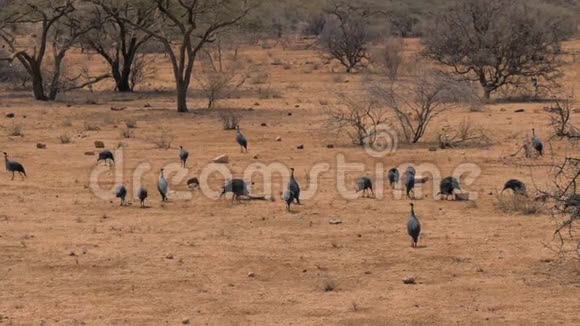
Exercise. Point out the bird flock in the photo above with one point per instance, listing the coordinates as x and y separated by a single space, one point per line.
448 186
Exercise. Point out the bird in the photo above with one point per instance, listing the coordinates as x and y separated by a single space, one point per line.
413 227
241 140
142 195
364 184
106 156
162 186
448 186
572 201
537 143
294 187
13 166
393 176
193 183
121 193
516 186
183 155
236 186
409 179
288 197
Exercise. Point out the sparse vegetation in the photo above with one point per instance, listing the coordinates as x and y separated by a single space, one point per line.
91 126
328 285
518 204
230 119
64 138
163 139
15 129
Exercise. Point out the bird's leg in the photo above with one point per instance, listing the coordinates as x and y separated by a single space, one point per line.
12 175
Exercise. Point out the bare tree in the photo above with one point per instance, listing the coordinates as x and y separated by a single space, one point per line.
360 119
416 102
464 135
346 34
117 41
184 27
497 43
221 72
55 29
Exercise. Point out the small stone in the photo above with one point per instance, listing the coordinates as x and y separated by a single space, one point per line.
99 144
72 254
169 256
89 153
147 105
41 146
278 138
409 280
264 124
502 109
519 110
296 106
251 274
289 114
222 159
432 149
300 147
335 222
256 157
10 115
330 146
185 321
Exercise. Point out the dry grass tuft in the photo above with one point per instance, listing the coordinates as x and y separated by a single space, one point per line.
163 140
518 204
65 139
15 129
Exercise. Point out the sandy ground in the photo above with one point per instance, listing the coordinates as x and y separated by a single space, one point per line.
69 257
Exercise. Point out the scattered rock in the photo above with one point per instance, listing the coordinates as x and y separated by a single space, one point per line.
193 183
99 144
10 115
278 138
289 114
69 105
251 274
335 222
300 147
409 280
330 146
256 157
432 149
222 159
169 256
72 254
147 105
114 108
185 321
297 106
90 153
41 146
519 110
502 109
264 124
256 104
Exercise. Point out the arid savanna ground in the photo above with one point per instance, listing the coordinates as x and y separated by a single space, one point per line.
69 257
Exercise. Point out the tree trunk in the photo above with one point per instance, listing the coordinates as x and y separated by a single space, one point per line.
181 97
123 85
487 93
37 83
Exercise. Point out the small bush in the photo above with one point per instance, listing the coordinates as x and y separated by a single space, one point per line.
269 93
64 139
519 204
163 140
67 123
328 285
131 123
127 133
230 120
260 78
90 126
15 129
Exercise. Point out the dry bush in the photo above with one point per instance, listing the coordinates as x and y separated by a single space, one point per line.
315 25
390 58
143 69
90 126
15 75
328 285
164 139
67 122
230 119
127 133
15 129
518 204
131 123
416 102
269 93
359 118
466 134
222 73
259 78
560 117
65 139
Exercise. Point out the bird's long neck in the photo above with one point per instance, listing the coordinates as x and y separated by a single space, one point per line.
413 212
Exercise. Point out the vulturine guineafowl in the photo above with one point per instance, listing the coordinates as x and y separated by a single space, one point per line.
414 227
516 186
294 187
106 156
242 141
237 187
183 155
142 195
162 186
364 184
121 193
448 186
409 179
393 176
537 143
13 167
